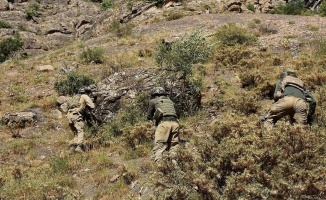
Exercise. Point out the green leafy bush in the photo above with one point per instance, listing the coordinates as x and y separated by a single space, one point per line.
251 7
296 7
231 34
73 82
8 46
231 56
106 4
4 24
120 29
322 9
33 10
174 16
89 55
183 54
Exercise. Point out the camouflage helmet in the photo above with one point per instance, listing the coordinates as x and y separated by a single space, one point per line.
158 91
288 72
291 73
81 91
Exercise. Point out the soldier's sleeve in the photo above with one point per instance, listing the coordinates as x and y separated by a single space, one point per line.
277 92
151 110
89 102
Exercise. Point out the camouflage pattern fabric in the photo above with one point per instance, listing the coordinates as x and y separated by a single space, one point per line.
296 108
167 130
76 118
166 139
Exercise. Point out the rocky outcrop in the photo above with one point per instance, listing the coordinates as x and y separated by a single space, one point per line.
128 88
19 119
4 5
62 21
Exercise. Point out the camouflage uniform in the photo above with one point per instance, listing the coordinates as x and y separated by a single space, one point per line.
76 107
167 130
290 100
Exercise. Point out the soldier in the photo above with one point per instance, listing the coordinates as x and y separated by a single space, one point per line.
290 98
162 111
76 115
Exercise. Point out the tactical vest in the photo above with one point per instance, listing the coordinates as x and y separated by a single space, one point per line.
292 81
289 81
167 106
74 102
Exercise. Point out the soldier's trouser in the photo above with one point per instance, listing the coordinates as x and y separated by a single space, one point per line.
166 139
78 129
294 107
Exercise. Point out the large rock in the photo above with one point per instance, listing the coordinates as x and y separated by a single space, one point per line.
128 88
19 119
44 68
133 87
4 5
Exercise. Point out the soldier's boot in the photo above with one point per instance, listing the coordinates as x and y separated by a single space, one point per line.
79 149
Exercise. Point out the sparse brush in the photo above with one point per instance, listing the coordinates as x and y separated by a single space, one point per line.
267 29
226 56
4 24
266 90
246 104
89 55
183 54
72 84
8 46
173 16
250 79
120 29
231 35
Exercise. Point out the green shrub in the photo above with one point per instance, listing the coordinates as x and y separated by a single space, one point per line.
322 9
231 34
8 46
296 7
89 55
231 56
59 165
251 7
183 54
120 29
174 16
33 10
4 24
106 4
73 82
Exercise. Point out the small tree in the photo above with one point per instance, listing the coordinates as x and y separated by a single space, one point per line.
4 24
231 35
89 55
106 4
322 9
296 7
180 56
73 82
8 46
33 10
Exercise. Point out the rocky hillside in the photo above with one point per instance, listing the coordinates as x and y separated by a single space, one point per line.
224 154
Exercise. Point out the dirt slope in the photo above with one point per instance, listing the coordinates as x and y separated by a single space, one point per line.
39 146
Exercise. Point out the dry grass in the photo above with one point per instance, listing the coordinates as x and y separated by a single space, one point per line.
224 154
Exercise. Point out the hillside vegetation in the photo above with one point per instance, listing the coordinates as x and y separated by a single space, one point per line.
225 153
